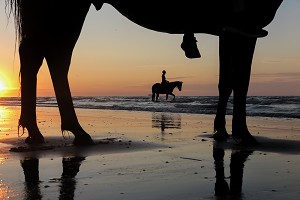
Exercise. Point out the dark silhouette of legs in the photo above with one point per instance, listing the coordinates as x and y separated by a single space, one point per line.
51 32
237 163
221 186
157 95
59 63
71 167
31 60
236 53
173 96
32 182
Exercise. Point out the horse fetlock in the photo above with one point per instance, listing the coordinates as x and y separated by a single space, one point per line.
219 122
221 135
34 134
241 134
34 140
83 140
31 127
81 136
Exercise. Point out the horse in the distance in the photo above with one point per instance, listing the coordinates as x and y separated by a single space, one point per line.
167 89
49 29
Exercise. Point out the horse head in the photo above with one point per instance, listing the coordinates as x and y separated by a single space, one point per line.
179 85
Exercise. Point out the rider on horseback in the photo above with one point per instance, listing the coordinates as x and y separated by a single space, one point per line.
164 81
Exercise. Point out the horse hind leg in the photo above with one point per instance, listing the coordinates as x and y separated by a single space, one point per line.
59 63
242 60
31 60
236 53
225 89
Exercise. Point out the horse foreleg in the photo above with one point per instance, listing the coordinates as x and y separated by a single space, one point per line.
173 96
167 96
157 95
59 63
242 55
224 86
31 60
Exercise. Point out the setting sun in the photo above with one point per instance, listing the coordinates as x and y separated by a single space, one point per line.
2 86
7 86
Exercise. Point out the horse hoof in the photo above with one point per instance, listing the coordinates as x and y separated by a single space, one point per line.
246 140
83 140
221 136
34 140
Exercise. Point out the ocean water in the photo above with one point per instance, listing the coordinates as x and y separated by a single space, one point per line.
264 106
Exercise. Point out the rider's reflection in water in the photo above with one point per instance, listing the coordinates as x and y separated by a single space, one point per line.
71 167
238 158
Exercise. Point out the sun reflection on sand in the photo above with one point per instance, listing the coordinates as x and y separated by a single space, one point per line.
2 159
6 192
8 120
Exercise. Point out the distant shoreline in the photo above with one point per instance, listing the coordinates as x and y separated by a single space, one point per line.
260 106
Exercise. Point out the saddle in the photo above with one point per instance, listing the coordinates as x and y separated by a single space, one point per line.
164 86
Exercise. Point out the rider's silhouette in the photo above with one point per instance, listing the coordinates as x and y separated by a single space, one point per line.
163 78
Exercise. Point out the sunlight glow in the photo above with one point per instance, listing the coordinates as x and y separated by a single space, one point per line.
2 86
7 85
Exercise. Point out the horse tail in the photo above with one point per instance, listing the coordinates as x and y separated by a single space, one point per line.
13 7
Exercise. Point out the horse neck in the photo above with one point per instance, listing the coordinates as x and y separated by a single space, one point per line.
173 84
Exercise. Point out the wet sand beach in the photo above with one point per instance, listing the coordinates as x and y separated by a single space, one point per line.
145 155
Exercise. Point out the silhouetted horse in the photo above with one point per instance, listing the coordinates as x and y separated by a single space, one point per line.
49 29
167 89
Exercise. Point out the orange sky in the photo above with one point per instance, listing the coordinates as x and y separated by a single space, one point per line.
114 56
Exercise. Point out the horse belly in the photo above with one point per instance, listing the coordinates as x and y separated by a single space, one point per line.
170 16
199 16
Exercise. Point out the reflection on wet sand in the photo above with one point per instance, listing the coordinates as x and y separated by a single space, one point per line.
166 121
237 163
71 167
32 181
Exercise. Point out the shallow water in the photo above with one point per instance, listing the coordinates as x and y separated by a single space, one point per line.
263 106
